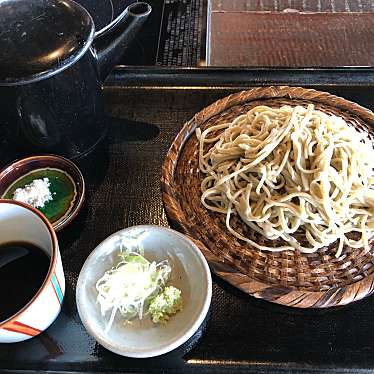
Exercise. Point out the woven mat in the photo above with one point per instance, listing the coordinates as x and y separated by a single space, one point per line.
289 278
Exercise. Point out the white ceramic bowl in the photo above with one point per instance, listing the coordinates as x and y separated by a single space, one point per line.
142 338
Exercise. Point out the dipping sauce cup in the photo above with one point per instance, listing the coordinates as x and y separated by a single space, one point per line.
22 223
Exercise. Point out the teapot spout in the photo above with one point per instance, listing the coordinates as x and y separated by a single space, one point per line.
110 45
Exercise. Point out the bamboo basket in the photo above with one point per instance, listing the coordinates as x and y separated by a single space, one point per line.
291 278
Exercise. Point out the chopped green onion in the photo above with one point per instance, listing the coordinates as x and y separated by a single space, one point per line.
133 285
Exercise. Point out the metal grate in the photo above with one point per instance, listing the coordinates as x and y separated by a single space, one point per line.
361 6
182 37
279 39
182 34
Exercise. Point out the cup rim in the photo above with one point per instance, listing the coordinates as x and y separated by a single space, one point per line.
53 259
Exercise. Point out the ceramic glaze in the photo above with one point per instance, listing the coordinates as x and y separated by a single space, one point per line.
62 188
19 222
66 185
51 76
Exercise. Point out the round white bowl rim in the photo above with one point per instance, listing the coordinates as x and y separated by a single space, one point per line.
175 343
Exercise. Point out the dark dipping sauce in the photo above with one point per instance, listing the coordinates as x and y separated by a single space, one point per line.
23 269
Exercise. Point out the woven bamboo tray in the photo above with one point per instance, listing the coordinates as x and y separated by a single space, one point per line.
316 280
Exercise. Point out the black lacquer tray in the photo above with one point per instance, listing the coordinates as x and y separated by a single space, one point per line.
149 98
241 334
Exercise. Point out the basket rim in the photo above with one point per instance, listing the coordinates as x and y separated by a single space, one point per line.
284 295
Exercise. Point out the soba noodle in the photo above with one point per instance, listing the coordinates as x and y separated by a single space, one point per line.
290 171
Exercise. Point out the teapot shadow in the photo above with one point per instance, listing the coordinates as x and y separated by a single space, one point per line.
125 130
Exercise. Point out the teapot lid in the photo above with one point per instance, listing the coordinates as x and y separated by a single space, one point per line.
39 38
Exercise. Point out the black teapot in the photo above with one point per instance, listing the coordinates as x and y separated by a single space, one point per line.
51 72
